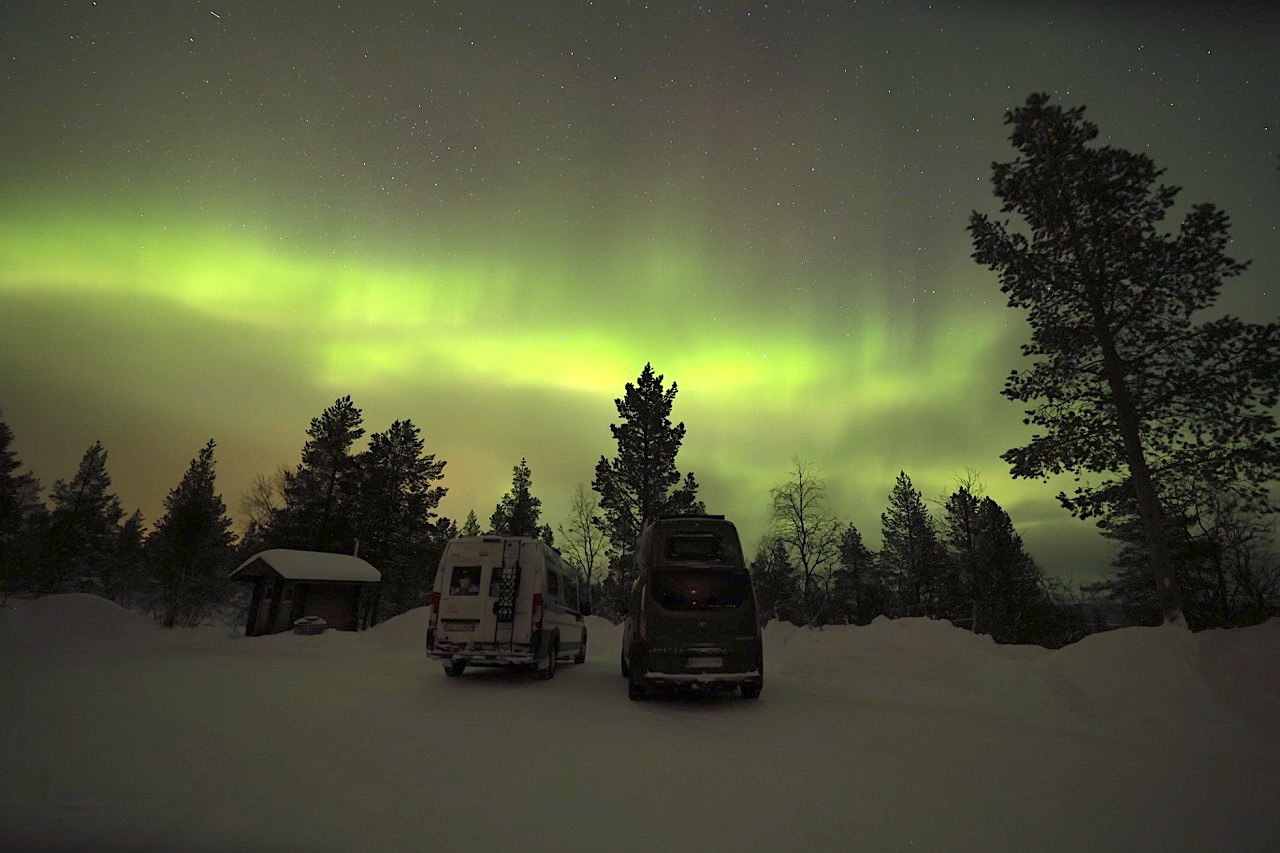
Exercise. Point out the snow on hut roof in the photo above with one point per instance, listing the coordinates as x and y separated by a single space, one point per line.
308 566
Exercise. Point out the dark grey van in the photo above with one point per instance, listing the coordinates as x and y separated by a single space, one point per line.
692 617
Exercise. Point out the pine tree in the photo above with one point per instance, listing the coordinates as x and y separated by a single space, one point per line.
395 494
518 512
317 509
128 580
471 527
19 506
1000 590
1125 384
777 583
911 556
83 524
642 482
190 551
859 593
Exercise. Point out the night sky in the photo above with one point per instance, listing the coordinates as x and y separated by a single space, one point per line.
216 218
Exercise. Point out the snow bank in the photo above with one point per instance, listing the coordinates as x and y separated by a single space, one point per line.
903 734
70 619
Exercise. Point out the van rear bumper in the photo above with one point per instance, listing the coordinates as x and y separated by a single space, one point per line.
702 677
484 654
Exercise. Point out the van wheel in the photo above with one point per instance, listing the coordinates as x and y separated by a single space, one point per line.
751 691
552 654
454 668
581 656
635 688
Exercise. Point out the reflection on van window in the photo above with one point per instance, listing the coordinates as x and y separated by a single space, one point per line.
716 590
553 583
465 580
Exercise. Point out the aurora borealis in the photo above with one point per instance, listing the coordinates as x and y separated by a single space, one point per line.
486 217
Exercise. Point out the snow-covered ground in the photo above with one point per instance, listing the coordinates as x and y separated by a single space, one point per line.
901 735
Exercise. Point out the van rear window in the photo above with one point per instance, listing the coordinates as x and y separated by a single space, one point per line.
714 590
465 580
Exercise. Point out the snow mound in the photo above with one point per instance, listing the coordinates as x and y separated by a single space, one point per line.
69 619
406 630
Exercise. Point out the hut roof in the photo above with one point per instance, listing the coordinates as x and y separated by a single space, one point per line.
307 566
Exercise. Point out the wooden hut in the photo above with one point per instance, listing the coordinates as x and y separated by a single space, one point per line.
288 585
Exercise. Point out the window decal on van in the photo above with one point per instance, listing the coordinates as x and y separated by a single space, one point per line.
465 580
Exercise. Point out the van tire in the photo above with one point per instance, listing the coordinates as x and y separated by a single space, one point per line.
552 654
581 656
636 689
751 691
626 670
454 668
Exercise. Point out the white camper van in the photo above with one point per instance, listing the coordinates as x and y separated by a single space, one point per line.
504 601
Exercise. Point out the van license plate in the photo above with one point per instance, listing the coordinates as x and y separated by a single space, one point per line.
704 663
459 626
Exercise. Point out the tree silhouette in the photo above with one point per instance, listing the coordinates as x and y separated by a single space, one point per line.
1124 383
809 533
313 515
640 483
83 522
190 551
518 512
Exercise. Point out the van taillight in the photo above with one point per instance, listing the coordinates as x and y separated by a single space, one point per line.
642 627
536 624
435 611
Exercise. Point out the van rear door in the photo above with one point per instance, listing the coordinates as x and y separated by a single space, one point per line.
704 603
466 614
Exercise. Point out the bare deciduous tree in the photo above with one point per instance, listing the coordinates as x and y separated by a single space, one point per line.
583 539
810 534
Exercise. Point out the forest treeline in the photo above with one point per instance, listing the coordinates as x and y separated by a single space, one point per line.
1166 420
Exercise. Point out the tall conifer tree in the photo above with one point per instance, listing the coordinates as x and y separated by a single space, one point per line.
317 512
83 523
1126 383
518 512
190 551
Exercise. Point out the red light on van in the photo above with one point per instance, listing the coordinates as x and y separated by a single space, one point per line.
435 611
536 624
642 629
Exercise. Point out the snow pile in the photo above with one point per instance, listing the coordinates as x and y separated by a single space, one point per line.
907 734
69 620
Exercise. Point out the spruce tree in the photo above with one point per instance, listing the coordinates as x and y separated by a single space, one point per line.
777 583
911 557
190 551
1127 385
518 512
394 495
471 527
128 580
858 590
19 505
83 524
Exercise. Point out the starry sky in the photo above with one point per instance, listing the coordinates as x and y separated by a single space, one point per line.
216 218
